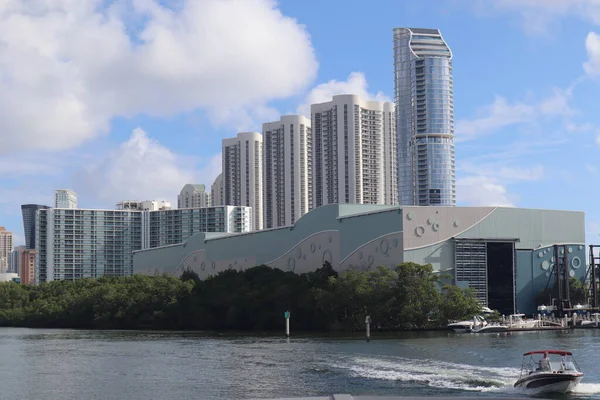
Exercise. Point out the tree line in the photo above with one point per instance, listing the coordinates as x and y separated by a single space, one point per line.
411 296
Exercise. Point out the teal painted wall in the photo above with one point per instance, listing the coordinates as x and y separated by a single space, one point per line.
534 273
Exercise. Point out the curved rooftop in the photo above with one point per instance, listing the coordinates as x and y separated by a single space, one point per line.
426 42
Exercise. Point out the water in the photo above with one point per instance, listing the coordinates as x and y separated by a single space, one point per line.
64 364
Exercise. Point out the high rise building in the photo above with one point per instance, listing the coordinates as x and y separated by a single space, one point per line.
193 196
146 205
216 191
6 247
15 259
80 243
424 117
65 198
26 269
354 152
287 163
242 174
28 211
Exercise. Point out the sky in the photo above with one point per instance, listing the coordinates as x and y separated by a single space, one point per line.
130 99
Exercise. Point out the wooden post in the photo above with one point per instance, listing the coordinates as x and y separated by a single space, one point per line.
368 327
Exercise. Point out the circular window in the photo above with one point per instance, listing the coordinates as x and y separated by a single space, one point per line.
575 262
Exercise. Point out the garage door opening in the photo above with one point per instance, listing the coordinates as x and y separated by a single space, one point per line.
500 276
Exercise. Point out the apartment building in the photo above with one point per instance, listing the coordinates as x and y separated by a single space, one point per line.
287 175
242 174
65 198
81 243
193 196
354 152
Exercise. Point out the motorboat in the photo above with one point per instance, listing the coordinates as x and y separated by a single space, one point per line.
490 328
468 325
540 374
519 321
593 323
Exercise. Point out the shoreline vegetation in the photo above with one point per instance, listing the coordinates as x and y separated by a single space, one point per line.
409 297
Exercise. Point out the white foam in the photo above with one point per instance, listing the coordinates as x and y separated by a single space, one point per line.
434 373
587 388
445 375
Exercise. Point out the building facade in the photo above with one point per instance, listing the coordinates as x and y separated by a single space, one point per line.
216 191
193 196
146 205
65 198
424 117
14 262
77 243
176 226
504 254
6 247
26 269
28 211
354 152
80 243
287 164
242 174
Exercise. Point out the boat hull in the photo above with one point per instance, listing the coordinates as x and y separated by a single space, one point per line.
549 382
491 329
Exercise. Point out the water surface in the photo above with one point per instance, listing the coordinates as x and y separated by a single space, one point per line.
67 364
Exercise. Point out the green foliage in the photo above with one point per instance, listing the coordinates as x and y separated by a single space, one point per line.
457 304
254 299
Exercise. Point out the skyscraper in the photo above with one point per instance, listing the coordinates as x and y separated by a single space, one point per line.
193 196
6 247
424 117
216 191
28 211
65 198
354 152
242 173
287 163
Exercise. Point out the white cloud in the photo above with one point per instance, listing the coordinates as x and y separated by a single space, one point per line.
498 171
592 46
142 169
590 168
539 15
355 84
69 66
501 114
487 184
482 191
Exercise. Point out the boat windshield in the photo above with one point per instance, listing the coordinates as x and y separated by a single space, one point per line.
535 363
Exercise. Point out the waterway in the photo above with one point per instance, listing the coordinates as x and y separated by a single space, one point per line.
65 364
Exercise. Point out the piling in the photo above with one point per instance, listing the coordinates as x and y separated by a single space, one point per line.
287 324
368 327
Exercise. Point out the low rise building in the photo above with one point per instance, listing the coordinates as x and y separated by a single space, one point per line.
505 254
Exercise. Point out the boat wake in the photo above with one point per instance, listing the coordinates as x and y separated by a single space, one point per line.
587 388
434 373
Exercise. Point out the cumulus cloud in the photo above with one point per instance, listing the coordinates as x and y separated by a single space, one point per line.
539 15
501 114
355 84
482 191
487 184
68 67
143 169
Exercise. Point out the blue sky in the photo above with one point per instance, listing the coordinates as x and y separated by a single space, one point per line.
130 99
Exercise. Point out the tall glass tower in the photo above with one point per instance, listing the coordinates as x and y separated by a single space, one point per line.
424 118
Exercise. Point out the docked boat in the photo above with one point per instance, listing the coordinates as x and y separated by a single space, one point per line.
593 323
468 325
520 321
540 374
490 328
